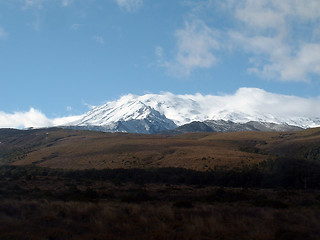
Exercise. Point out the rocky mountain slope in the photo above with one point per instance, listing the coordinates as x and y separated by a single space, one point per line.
230 126
132 116
152 113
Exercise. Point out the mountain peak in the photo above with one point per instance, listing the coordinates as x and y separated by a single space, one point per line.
128 114
165 111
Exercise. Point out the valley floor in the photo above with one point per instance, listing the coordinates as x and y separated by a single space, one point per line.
53 206
58 184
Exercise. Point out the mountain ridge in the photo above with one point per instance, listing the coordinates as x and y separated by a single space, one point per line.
229 126
152 113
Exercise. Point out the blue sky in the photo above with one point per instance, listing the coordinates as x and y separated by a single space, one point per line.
61 56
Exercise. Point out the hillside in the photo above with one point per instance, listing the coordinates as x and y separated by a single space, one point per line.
154 113
230 126
71 184
72 149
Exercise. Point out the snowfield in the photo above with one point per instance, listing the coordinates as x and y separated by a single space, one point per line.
247 104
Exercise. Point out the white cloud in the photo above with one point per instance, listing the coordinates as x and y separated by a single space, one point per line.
65 120
307 60
271 31
273 58
274 13
281 38
196 44
258 100
246 104
32 118
99 39
129 5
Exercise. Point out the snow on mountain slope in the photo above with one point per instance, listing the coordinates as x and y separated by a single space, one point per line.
247 104
122 110
125 115
229 126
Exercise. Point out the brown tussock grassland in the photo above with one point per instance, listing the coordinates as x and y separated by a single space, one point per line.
66 184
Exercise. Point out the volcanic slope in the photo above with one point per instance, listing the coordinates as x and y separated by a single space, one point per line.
73 149
152 113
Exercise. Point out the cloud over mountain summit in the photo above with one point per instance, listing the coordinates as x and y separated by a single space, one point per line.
245 104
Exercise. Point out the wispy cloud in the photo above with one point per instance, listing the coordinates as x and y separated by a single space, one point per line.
40 4
281 35
98 39
196 46
129 5
244 105
33 4
66 3
281 38
3 33
36 24
159 52
75 26
65 120
88 105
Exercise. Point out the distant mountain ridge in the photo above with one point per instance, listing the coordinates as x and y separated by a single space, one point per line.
153 113
229 126
131 116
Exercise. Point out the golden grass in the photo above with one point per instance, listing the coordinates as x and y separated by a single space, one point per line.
199 151
50 207
194 151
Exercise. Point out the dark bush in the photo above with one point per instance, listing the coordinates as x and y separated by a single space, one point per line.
279 173
183 204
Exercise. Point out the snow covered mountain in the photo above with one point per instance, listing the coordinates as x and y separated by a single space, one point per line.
129 115
152 113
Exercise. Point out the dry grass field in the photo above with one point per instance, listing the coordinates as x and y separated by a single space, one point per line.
65 184
85 220
69 149
57 207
